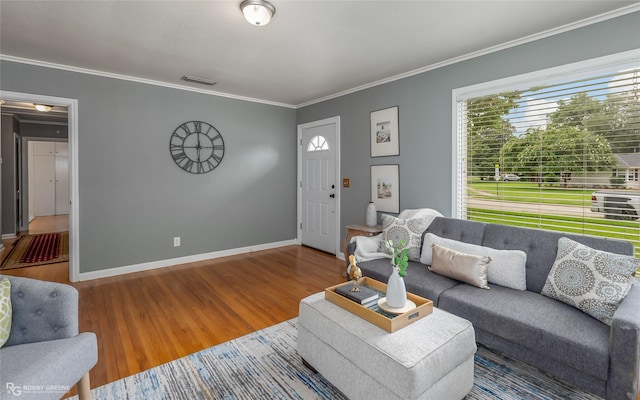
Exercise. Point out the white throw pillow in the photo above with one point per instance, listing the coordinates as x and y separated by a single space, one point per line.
507 267
591 280
468 268
409 230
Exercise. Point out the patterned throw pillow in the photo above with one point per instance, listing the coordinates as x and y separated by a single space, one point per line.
5 310
409 230
591 280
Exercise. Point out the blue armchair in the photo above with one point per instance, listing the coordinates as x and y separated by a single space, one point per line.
45 355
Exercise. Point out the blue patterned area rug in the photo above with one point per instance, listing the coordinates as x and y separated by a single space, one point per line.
266 365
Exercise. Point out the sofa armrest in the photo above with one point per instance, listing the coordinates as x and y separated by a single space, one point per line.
624 349
42 311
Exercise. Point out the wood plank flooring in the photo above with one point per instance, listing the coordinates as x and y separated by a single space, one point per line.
148 318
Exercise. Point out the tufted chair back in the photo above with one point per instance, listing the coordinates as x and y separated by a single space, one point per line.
33 303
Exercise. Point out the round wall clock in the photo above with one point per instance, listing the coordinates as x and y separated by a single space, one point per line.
196 147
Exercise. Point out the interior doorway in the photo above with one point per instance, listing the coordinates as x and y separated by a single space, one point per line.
72 216
47 178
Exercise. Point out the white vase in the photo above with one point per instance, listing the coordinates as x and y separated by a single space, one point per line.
371 217
396 291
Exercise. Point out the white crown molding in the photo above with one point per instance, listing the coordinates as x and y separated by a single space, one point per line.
104 74
513 43
104 273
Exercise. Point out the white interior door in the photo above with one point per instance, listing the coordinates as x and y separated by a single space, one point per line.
318 184
49 178
44 185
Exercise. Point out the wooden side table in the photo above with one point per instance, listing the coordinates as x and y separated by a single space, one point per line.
359 230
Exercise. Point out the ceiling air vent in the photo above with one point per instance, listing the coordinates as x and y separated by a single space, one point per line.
201 81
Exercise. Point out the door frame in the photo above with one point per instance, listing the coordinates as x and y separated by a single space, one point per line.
19 190
332 120
74 194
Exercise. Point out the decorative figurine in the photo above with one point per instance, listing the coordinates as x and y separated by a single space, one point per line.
354 273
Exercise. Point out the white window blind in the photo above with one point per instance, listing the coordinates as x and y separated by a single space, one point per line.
535 156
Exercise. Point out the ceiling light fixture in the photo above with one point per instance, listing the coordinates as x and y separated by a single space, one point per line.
257 12
43 107
195 79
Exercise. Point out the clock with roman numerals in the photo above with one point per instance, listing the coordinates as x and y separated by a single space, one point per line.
197 147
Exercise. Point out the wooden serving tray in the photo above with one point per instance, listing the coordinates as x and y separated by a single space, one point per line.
423 308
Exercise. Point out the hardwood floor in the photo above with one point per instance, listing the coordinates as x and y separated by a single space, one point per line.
149 318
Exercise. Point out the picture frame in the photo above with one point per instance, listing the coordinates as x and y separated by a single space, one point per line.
385 187
385 132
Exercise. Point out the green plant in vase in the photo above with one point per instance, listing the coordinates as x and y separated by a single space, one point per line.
399 257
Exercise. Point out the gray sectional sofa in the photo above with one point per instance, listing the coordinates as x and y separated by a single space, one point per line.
546 333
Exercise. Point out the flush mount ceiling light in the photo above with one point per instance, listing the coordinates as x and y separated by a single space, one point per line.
257 12
43 107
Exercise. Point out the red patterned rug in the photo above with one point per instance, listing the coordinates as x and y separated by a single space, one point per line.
30 250
42 248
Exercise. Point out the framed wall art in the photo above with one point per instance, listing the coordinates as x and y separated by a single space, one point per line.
385 187
384 132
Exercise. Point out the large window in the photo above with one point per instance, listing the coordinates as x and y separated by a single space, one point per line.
557 150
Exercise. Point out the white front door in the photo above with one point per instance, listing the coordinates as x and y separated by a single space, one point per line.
318 187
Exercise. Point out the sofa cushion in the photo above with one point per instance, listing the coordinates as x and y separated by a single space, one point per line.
409 230
5 310
544 325
457 229
419 279
464 267
541 248
507 267
591 280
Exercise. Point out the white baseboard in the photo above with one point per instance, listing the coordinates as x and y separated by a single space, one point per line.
104 273
7 236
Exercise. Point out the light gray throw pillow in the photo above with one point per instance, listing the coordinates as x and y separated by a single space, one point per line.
507 267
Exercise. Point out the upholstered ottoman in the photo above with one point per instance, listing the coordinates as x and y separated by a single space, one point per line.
430 359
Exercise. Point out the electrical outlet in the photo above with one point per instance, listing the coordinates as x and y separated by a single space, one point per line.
176 241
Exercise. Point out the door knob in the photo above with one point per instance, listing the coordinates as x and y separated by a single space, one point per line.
332 195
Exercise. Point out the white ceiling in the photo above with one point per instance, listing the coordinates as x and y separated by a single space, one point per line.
310 50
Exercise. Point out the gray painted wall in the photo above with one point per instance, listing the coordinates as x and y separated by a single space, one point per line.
134 199
425 113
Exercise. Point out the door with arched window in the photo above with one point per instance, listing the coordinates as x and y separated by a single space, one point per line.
318 186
